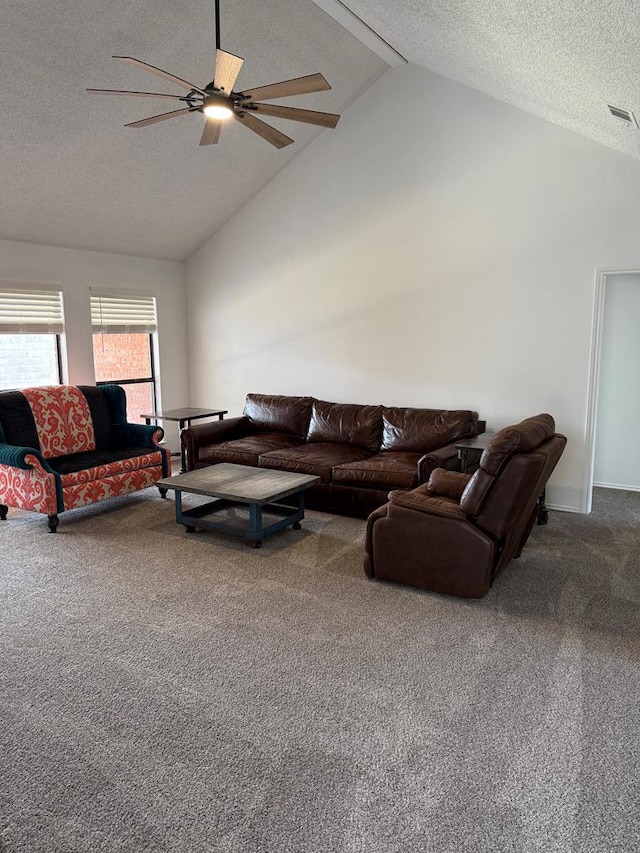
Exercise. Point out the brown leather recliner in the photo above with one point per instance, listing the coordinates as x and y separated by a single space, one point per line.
454 534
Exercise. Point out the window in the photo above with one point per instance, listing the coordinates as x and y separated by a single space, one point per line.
123 348
31 325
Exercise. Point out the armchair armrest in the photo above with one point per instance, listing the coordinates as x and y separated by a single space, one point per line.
137 435
448 484
421 502
11 454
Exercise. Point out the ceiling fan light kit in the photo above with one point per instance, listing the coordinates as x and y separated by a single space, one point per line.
219 102
217 106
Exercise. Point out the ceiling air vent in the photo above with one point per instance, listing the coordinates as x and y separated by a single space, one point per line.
623 115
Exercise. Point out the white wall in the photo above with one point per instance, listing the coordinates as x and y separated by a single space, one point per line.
76 272
617 459
438 249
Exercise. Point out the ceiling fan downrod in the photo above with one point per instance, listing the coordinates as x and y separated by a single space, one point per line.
217 3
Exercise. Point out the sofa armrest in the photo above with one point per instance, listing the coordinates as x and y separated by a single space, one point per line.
212 432
137 435
448 484
421 502
15 456
443 457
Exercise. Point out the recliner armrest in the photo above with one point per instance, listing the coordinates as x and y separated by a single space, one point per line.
448 484
421 502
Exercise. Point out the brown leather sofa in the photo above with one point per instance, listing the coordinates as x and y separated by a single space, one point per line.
359 452
454 534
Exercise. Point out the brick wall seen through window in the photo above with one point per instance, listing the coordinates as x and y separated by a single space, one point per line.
126 356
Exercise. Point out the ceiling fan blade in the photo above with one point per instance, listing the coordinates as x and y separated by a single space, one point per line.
162 117
297 86
227 69
177 80
211 132
264 130
136 94
294 114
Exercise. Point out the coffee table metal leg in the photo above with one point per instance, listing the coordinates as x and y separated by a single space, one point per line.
296 524
188 527
255 525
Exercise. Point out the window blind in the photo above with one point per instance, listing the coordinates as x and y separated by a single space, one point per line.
31 312
117 314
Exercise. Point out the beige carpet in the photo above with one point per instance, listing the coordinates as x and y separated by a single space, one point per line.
169 692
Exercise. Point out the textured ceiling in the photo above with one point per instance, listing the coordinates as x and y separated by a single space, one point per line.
562 61
72 175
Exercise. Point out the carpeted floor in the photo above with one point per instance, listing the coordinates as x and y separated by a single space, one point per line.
178 693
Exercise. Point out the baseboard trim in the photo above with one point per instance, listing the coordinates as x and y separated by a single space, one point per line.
617 486
562 508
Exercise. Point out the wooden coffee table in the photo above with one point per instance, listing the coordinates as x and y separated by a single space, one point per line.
260 489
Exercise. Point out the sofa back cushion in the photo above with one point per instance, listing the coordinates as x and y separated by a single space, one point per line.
346 423
57 420
423 430
278 413
62 419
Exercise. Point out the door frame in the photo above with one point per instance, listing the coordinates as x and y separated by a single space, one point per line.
602 275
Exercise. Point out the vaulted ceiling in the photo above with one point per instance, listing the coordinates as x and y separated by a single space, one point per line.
71 175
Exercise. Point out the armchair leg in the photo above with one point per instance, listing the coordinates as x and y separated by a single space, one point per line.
4 509
163 491
53 521
543 512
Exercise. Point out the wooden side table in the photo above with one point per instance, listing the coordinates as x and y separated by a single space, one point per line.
470 450
183 417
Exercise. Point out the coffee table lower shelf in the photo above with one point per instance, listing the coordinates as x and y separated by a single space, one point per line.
253 529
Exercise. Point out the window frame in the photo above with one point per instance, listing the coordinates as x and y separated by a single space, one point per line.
152 380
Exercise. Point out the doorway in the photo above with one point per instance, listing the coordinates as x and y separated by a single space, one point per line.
614 409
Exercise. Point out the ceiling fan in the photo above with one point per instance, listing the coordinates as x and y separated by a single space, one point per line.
219 102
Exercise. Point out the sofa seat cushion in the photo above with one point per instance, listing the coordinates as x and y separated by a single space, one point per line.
245 451
98 464
393 470
317 458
